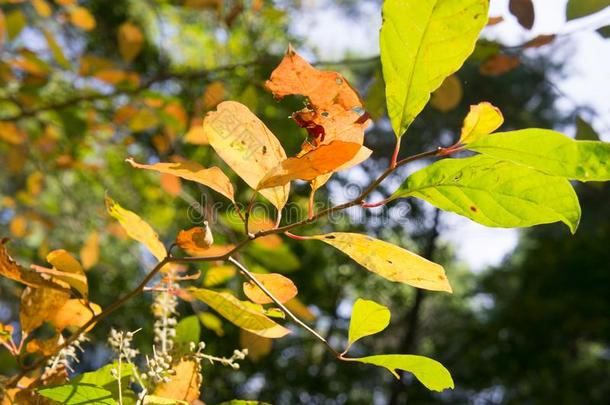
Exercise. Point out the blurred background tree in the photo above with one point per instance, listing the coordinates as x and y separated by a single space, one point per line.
85 84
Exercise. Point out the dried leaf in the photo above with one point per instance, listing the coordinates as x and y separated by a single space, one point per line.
195 239
39 305
539 41
282 288
212 177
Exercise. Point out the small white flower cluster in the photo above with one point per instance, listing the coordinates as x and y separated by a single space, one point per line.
66 355
120 343
164 309
159 367
230 362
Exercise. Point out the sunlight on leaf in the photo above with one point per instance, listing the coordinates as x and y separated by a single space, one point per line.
137 228
482 119
494 193
423 42
368 318
75 312
550 152
247 146
389 261
81 17
184 384
280 286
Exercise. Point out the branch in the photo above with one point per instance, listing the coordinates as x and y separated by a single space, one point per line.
292 316
227 256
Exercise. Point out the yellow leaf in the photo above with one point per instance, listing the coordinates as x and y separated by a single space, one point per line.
299 309
184 384
171 184
243 314
90 252
75 312
247 146
389 261
144 119
10 133
448 95
280 286
137 228
258 347
130 41
81 17
56 50
38 305
196 134
212 177
42 8
212 322
63 262
482 120
317 162
368 318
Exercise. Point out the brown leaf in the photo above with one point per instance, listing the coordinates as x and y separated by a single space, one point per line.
540 40
524 11
494 20
213 95
195 239
184 384
39 305
280 286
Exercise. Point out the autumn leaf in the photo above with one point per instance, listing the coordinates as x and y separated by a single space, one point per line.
137 228
281 287
130 41
448 95
74 312
90 252
299 309
184 383
213 95
46 347
69 270
217 275
482 119
499 64
243 314
317 162
38 305
81 17
389 261
524 11
42 8
212 177
11 269
247 146
195 239
258 346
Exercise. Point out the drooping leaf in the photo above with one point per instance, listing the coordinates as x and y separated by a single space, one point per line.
524 11
429 372
247 146
583 8
494 193
280 286
130 41
389 261
137 228
78 394
368 318
184 384
550 152
241 313
212 177
11 269
322 160
422 42
482 119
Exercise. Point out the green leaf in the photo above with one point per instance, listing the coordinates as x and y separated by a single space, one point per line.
211 322
582 8
389 261
243 314
429 372
187 330
422 42
103 376
584 131
494 193
368 318
78 394
15 22
550 152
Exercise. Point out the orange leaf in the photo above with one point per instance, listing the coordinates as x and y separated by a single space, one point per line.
213 95
171 184
257 346
45 347
90 252
195 239
281 287
499 64
184 384
325 159
540 40
246 145
212 177
299 309
75 312
39 305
